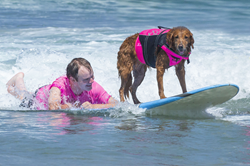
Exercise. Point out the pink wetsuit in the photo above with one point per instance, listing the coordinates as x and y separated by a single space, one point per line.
97 95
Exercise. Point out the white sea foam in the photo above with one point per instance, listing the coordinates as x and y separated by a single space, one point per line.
242 120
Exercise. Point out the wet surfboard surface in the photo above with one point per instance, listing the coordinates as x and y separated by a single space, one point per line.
199 99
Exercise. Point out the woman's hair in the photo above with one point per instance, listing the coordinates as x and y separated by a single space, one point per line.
74 65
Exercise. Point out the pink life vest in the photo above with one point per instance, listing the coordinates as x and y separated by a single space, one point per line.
97 95
146 43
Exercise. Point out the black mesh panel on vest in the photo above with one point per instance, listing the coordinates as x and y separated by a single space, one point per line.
148 48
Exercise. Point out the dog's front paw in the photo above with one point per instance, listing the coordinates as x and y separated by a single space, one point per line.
163 97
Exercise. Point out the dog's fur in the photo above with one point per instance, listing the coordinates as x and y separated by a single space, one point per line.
180 39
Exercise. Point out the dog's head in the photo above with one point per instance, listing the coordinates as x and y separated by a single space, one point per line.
180 39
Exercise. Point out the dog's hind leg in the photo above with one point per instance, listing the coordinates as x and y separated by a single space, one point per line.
125 60
128 85
126 81
139 71
124 66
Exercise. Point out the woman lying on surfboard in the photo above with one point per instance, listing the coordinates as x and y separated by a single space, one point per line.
75 90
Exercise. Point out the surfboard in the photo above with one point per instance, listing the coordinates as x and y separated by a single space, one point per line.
196 100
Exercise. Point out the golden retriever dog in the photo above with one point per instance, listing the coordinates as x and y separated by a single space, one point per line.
158 48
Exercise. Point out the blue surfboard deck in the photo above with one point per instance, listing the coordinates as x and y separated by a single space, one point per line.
199 99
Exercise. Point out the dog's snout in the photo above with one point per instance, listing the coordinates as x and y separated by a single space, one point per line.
180 47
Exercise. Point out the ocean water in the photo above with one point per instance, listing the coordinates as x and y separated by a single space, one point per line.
40 37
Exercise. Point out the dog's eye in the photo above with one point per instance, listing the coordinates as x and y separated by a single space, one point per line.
186 37
176 37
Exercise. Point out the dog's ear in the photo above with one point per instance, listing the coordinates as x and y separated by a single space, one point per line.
170 38
191 40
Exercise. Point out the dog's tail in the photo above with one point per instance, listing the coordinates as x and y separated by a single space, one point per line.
127 87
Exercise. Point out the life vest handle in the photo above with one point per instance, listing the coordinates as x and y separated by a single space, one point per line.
161 27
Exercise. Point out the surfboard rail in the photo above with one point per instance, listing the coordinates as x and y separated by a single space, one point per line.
224 91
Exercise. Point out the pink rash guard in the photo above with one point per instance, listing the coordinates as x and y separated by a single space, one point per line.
97 95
